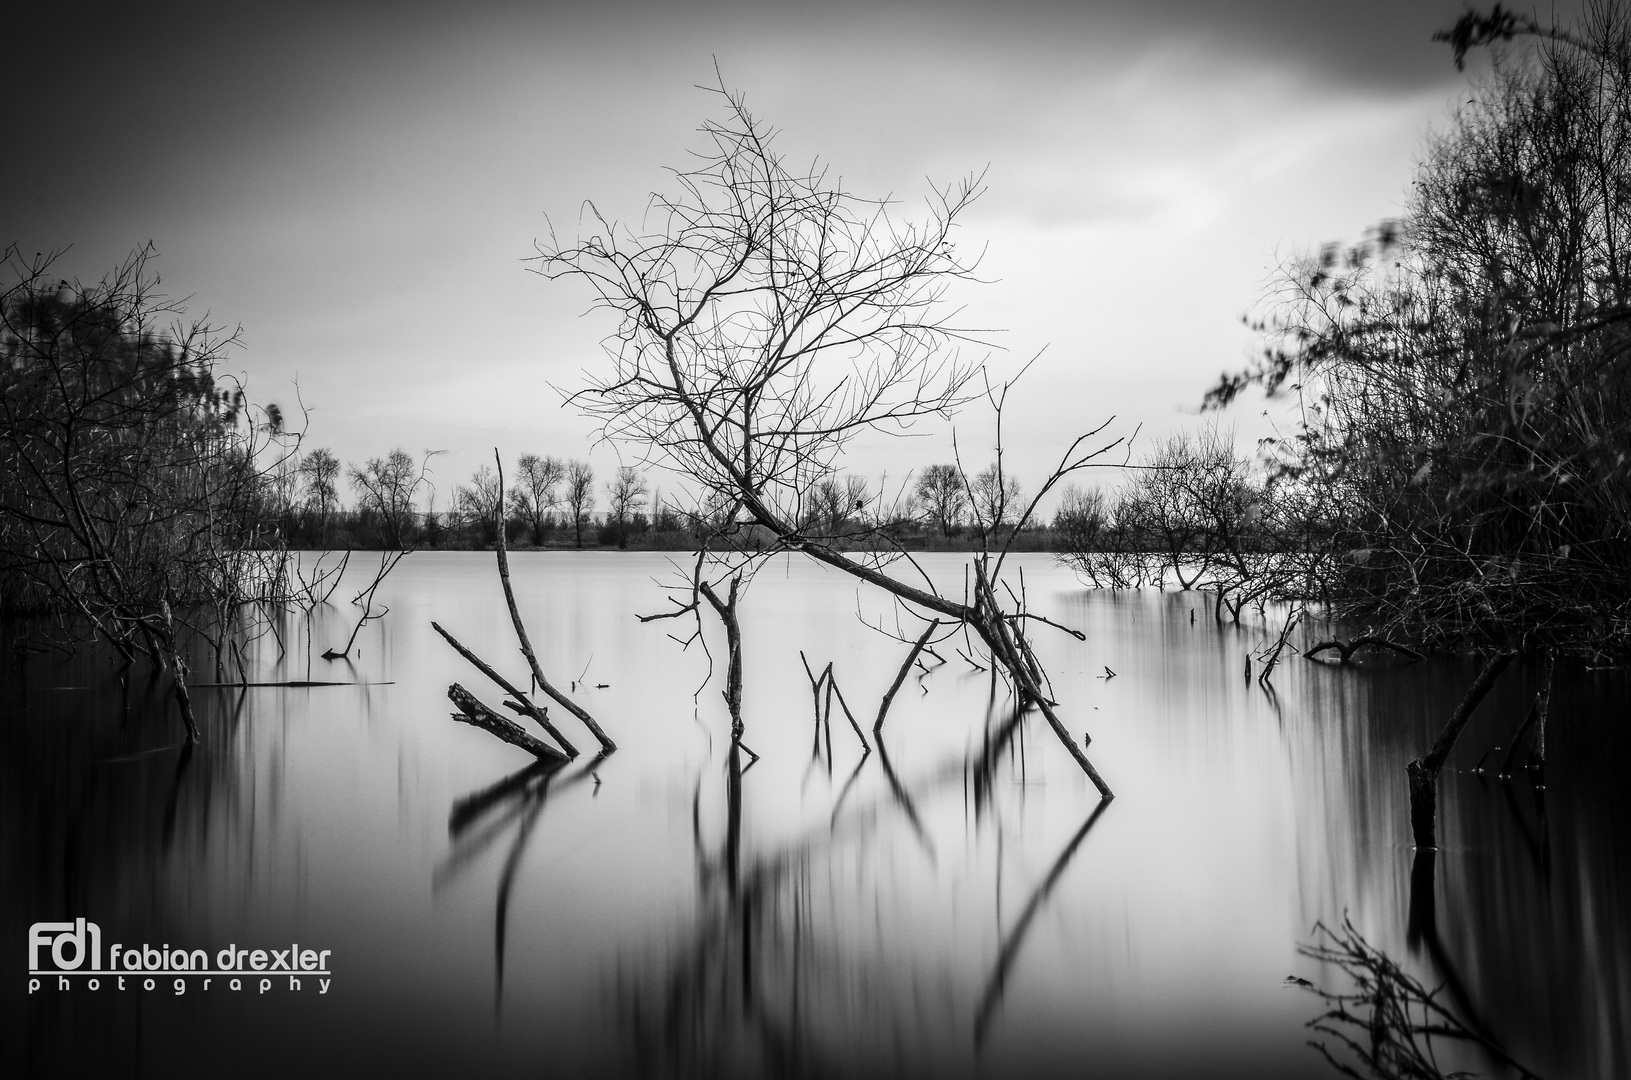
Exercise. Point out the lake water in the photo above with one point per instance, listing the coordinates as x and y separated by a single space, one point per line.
955 903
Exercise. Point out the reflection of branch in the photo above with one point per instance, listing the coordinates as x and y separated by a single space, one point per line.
1016 937
905 800
470 809
506 881
516 791
1388 1021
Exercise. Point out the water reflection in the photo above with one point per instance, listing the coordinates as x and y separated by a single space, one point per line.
951 900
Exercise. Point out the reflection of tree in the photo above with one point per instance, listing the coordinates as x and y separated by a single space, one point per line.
768 980
1015 938
517 799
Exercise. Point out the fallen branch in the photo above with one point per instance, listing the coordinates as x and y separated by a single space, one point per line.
526 644
510 688
832 684
900 677
476 714
1272 657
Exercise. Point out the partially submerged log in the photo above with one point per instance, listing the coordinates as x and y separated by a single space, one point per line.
1347 649
527 706
476 714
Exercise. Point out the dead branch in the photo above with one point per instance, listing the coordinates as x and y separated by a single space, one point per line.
1423 772
726 610
476 714
900 677
526 643
537 714
832 684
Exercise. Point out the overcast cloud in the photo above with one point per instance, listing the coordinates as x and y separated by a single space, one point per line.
359 187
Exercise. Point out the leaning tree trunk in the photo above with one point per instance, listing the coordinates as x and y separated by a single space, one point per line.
177 664
1423 772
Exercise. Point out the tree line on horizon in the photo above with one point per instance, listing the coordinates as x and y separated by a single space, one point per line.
549 501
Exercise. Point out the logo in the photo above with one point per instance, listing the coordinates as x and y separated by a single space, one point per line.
83 938
69 949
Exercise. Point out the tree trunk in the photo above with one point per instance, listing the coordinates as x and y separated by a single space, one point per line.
1423 772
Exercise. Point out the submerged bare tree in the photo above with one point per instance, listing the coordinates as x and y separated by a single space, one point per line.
1465 377
765 318
138 488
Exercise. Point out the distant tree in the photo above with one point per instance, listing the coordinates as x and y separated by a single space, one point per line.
942 496
1080 519
386 487
664 518
320 471
625 495
480 502
828 505
996 498
579 495
536 491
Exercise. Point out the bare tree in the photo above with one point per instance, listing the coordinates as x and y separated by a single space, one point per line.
766 319
537 493
580 495
942 496
386 487
481 502
321 470
828 505
995 497
137 491
625 495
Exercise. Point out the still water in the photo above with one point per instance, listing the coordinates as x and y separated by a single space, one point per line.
957 902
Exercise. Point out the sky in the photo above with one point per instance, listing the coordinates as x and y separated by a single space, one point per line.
360 186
